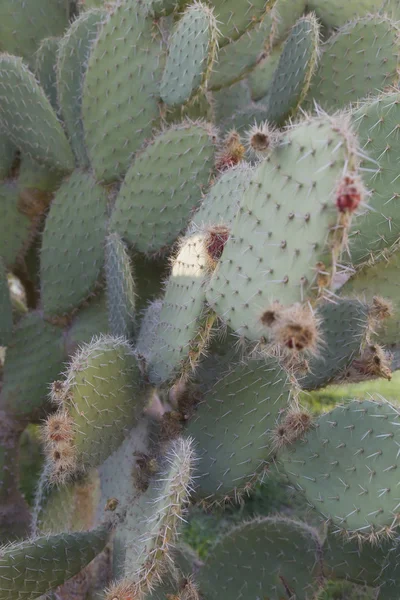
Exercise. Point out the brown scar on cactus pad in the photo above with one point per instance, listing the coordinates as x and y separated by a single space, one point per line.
295 423
382 308
271 315
373 363
294 328
215 240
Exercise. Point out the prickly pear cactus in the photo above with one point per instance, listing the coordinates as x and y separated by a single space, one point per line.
195 246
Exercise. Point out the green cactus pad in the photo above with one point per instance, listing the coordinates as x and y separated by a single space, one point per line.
391 8
118 118
229 100
7 155
344 328
360 59
15 228
70 507
45 68
34 359
235 18
233 426
32 175
389 576
71 68
117 482
376 123
336 13
242 120
379 279
284 15
153 207
222 202
237 58
264 558
28 118
183 317
281 234
6 317
120 287
162 507
352 561
104 399
260 78
295 69
24 24
346 466
73 237
34 567
192 49
90 320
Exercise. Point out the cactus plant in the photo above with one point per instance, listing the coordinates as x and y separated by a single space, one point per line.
192 240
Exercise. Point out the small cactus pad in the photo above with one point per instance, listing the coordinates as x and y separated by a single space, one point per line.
380 281
28 118
346 467
120 287
45 68
33 567
270 558
183 319
282 238
352 561
233 426
222 202
6 317
343 331
376 123
361 58
15 227
153 207
165 502
71 68
336 13
34 358
294 71
99 400
192 49
73 237
118 118
24 24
